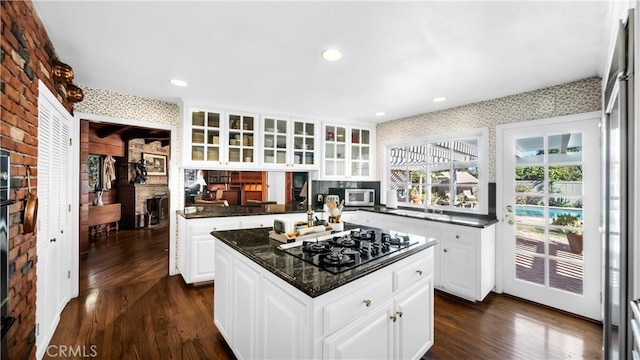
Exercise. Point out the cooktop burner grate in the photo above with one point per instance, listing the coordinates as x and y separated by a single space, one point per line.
348 250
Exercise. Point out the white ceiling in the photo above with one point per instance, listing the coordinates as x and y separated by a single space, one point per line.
265 56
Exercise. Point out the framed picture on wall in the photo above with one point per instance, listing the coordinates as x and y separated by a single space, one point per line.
156 164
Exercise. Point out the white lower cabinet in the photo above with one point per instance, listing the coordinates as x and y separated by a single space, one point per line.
196 246
466 261
369 338
465 256
283 324
414 308
385 315
458 264
245 280
396 330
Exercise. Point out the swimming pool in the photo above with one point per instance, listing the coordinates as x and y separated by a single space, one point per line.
553 212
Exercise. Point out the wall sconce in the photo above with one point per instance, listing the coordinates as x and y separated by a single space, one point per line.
62 73
74 93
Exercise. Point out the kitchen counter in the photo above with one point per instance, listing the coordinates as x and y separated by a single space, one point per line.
256 245
208 211
465 219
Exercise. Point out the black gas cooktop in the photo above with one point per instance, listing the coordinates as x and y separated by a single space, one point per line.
350 249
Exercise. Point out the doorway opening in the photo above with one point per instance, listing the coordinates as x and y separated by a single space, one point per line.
124 195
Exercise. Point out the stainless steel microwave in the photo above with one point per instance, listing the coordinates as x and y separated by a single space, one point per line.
359 197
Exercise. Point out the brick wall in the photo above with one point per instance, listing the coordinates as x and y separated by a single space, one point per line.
26 56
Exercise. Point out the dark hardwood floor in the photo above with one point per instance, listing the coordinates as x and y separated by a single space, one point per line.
129 308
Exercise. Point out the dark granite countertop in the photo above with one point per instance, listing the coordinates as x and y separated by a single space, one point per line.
465 219
207 211
256 245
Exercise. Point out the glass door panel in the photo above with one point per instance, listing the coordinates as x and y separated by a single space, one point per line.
548 223
551 213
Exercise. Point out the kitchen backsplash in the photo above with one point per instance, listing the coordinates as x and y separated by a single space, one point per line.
322 187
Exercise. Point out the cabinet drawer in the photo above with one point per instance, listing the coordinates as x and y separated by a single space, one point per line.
406 276
362 301
460 236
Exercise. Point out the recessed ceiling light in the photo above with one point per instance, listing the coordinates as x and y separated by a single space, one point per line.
379 113
331 55
177 82
439 99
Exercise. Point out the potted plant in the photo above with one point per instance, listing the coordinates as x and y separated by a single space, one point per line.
573 236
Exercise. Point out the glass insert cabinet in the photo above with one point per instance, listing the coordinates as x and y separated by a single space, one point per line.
288 143
347 152
215 138
219 138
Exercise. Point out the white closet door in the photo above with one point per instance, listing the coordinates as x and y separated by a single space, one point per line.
53 286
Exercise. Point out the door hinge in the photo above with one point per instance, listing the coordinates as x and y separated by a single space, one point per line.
70 142
601 297
68 274
37 329
69 207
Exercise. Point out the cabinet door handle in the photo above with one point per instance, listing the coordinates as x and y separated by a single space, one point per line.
419 272
52 240
367 302
393 317
399 313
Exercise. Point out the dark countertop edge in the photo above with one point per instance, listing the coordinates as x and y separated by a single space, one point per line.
483 220
197 215
356 273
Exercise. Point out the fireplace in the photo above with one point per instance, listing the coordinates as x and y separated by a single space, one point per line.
157 211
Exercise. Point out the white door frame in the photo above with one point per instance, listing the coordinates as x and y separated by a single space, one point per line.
173 183
500 211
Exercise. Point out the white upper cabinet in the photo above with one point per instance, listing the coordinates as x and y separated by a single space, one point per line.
348 152
242 137
215 138
204 136
288 144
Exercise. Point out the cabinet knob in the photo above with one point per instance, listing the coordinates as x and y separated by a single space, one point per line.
367 302
419 272
393 317
445 250
399 313
457 236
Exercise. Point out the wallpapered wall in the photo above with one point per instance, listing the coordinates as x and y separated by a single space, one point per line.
571 98
123 106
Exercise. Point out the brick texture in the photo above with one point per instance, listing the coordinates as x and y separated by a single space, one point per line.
27 55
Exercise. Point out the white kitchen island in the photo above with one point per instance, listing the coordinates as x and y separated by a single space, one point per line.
271 305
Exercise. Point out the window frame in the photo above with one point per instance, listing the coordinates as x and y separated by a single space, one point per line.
479 134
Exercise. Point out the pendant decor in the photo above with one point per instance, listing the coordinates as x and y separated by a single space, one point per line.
63 74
